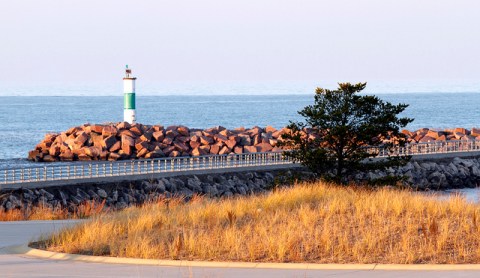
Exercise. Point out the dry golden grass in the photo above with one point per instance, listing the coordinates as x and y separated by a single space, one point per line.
84 210
307 223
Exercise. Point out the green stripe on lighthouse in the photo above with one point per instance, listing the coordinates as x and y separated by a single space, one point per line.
129 101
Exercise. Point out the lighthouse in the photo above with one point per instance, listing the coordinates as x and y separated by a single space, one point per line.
129 97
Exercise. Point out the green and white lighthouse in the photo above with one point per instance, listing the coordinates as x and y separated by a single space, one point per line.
129 97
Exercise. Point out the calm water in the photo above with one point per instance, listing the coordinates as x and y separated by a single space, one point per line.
25 120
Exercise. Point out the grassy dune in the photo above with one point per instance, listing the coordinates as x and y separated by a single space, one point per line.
317 223
83 210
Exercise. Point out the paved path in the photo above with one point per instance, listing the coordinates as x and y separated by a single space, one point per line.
13 265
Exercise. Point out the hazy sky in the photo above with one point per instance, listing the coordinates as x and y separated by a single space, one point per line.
75 43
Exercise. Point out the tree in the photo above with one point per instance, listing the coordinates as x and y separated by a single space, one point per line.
343 130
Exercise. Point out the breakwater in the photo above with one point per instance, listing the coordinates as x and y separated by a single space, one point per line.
124 141
118 195
121 141
432 174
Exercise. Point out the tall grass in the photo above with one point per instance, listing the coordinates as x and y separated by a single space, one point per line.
316 222
42 212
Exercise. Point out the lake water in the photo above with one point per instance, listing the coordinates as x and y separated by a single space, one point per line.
25 119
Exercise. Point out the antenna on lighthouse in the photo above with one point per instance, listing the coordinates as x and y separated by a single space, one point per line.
129 96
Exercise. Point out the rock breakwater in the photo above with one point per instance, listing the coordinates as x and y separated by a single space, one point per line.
432 174
123 194
124 141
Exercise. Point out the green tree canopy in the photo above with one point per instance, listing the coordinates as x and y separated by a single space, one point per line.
342 130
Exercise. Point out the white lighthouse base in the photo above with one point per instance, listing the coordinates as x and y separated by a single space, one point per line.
129 116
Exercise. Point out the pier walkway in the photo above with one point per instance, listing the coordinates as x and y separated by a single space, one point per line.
111 171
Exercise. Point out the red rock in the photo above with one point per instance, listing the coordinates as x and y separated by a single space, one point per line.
197 133
168 150
158 128
34 155
208 133
426 139
221 138
231 143
418 137
67 155
136 129
225 132
84 157
198 152
127 133
155 154
458 135
81 139
181 146
171 133
434 134
264 147
113 156
195 138
278 134
184 131
224 150
72 130
240 129
250 149
54 150
115 147
475 132
109 130
442 138
109 142
96 128
270 129
93 152
141 145
194 144
174 154
214 149
238 150
167 140
245 140
103 155
123 125
183 139
158 135
142 153
461 130
127 144
406 132
273 142
206 148
234 137
205 140
257 140
146 137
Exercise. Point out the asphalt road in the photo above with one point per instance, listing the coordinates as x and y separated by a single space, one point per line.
14 265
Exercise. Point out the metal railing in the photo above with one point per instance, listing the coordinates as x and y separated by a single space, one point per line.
436 147
81 170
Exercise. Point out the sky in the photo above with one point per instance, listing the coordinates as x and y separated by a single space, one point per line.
50 47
